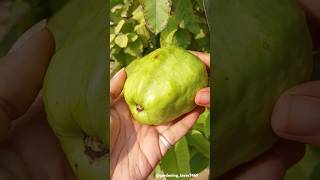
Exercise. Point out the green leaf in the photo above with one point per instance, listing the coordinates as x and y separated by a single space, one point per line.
134 48
116 8
200 35
143 33
199 142
125 10
119 26
182 156
129 26
202 123
316 172
198 163
185 15
169 163
135 4
177 159
123 58
200 4
112 44
114 68
305 168
156 14
112 36
114 2
202 44
166 36
182 38
132 37
296 172
138 15
204 120
121 40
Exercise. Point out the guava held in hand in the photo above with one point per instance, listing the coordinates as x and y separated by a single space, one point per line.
162 86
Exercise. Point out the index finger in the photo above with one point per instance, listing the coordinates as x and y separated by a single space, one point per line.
177 130
204 57
23 69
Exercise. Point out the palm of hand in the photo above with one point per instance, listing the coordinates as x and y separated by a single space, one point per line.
32 151
135 149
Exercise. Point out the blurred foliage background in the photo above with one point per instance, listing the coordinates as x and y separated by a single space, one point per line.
16 16
140 26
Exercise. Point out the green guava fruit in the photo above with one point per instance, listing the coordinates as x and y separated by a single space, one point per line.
162 85
75 90
260 48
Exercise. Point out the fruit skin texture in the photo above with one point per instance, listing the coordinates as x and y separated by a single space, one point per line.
162 85
260 49
75 91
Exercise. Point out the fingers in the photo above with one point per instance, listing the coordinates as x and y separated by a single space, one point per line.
31 132
203 97
177 130
116 85
270 165
12 166
23 69
204 57
296 115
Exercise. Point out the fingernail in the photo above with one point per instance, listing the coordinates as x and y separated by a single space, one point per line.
118 73
297 115
203 98
28 34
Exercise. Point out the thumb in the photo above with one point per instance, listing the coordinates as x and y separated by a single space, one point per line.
21 73
296 115
116 85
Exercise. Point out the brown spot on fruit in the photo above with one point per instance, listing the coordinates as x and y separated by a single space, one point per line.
139 108
94 147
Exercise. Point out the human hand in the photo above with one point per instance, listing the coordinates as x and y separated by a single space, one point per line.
312 8
296 118
203 95
296 115
28 149
21 74
32 151
135 149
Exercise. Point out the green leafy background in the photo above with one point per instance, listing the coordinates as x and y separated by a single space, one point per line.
18 15
138 27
